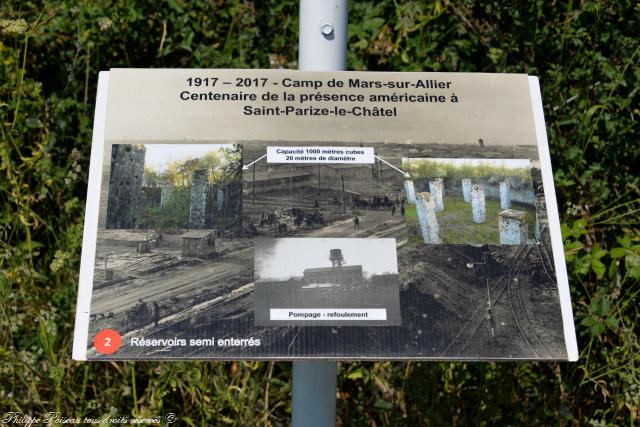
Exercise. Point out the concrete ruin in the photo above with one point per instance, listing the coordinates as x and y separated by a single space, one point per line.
410 192
220 198
542 221
478 203
426 209
166 191
436 188
505 195
441 181
125 182
198 205
466 190
513 226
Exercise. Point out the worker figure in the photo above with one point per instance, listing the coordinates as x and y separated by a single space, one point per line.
141 311
156 314
356 222
393 210
402 209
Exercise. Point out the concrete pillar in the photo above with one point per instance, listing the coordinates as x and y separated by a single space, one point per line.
477 203
125 183
426 209
436 188
513 227
440 180
410 192
541 220
198 205
466 190
505 195
220 199
166 191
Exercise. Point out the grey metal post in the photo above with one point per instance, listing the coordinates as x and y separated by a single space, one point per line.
314 394
323 35
323 47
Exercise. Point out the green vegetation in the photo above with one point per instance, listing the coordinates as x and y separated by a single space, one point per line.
423 168
457 227
586 55
224 166
174 215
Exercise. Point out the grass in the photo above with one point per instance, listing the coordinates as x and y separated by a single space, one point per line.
457 226
420 169
586 55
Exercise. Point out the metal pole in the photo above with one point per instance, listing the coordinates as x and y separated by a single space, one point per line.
323 35
323 47
314 394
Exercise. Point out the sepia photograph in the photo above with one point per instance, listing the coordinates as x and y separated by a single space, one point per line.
320 200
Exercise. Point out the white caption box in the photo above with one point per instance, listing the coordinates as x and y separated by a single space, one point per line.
342 314
355 155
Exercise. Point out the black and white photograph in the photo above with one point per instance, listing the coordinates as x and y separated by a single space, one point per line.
474 301
320 200
346 281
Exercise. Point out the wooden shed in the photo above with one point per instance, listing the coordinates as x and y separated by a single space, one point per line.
198 243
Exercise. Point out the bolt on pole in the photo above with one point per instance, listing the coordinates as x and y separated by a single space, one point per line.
323 35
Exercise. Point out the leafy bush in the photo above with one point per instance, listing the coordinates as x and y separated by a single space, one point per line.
586 55
174 215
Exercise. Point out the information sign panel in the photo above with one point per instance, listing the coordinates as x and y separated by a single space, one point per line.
276 214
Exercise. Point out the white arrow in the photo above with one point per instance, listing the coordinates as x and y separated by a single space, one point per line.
245 167
399 170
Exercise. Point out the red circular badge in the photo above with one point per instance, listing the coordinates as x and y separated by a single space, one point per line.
107 341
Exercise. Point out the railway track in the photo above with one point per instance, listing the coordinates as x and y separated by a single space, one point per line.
504 287
172 288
